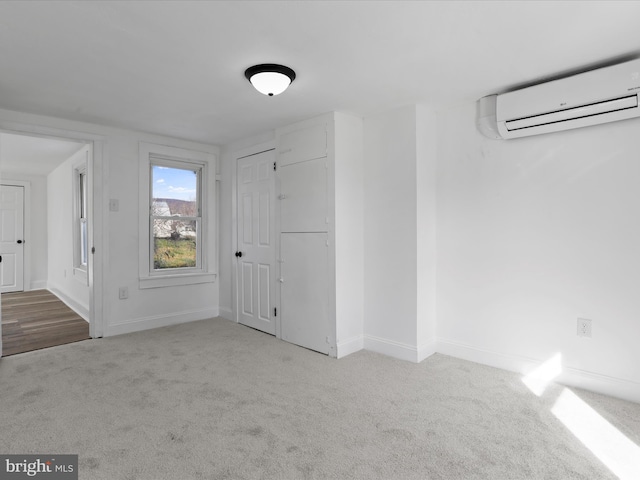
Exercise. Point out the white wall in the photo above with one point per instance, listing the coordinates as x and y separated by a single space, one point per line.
534 233
227 163
36 248
348 202
151 307
62 280
144 308
426 211
390 278
496 247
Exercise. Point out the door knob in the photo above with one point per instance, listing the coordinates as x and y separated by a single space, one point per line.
19 241
238 254
281 280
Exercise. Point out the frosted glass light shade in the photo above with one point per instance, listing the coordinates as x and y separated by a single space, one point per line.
270 83
270 79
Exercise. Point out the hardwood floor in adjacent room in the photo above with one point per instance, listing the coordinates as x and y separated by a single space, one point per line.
38 319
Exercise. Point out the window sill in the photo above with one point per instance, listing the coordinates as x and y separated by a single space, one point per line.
80 274
176 280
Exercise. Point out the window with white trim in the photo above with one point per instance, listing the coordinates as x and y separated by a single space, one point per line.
175 215
80 221
177 219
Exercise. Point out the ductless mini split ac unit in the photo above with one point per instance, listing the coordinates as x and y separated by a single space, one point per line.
597 96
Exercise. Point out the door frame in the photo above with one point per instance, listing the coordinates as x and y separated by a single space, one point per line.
26 228
239 154
97 172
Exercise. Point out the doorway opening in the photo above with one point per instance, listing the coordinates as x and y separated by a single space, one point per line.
46 229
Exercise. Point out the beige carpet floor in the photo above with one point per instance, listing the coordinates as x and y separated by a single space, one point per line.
216 400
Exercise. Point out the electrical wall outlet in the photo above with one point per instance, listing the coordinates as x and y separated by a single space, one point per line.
123 293
584 327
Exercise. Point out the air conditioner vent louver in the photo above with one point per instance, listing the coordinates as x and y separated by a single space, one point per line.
597 108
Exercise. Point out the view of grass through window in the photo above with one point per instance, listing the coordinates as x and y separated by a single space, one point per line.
175 217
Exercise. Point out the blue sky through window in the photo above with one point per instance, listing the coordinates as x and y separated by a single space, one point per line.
175 183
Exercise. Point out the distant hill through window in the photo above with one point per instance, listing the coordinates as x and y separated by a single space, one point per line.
183 208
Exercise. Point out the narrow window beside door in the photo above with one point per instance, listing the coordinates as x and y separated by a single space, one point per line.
81 213
82 220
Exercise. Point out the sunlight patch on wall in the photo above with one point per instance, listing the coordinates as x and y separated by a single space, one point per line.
538 379
606 442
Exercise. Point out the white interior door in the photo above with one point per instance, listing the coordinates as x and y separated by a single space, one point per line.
304 291
11 238
255 251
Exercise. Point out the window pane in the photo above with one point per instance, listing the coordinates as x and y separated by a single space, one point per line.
174 243
82 178
83 243
174 192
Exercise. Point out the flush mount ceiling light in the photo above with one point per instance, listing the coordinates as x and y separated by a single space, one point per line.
269 78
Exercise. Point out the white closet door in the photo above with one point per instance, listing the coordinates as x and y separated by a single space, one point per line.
255 271
304 291
302 145
303 196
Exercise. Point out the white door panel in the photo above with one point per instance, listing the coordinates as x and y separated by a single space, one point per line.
246 270
11 241
264 292
303 197
9 282
302 145
256 298
304 290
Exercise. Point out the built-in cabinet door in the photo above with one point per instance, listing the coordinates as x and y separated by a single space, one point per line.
256 247
303 196
302 145
304 290
12 241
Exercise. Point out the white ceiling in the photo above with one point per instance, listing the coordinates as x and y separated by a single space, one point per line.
176 68
34 155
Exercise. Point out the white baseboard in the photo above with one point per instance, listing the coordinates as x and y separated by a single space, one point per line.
38 285
226 313
399 350
426 350
391 348
77 307
615 387
349 346
512 363
156 321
